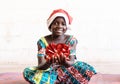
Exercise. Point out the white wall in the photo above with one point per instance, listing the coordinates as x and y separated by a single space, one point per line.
96 25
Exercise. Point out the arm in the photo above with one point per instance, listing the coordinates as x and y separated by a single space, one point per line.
42 63
67 63
72 54
70 62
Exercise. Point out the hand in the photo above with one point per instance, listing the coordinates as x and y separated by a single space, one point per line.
52 59
61 59
48 59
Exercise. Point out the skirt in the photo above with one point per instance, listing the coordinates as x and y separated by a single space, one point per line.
78 73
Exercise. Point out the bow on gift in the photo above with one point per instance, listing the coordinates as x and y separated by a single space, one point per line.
53 50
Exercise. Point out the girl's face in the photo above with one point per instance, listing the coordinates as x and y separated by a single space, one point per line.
58 27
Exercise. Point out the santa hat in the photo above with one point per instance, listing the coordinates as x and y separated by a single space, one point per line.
59 12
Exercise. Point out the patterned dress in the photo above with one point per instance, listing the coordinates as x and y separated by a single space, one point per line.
78 73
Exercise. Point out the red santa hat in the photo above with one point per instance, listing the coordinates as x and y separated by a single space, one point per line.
59 12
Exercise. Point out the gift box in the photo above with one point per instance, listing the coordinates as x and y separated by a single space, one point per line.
53 50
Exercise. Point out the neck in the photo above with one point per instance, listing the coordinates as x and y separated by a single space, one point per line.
57 38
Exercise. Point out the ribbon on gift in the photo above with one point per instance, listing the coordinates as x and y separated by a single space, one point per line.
53 50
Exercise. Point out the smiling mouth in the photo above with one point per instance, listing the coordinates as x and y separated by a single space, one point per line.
59 30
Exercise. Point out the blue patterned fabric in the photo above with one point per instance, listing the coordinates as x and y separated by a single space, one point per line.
82 71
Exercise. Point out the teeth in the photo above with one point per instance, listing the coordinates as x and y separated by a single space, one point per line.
59 31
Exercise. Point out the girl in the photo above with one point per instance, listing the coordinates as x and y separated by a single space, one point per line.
58 69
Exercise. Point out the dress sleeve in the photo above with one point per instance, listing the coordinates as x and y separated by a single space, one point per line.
73 42
41 48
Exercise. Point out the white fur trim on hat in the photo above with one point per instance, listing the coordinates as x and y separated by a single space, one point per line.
51 19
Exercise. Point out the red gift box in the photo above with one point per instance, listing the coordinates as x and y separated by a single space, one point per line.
53 50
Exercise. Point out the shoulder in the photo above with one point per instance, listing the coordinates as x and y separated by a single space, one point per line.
70 36
43 37
71 39
40 42
43 41
47 36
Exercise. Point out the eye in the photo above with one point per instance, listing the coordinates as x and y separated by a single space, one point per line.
64 24
55 23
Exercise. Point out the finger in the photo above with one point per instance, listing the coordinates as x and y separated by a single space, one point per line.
53 60
46 58
62 57
59 60
50 60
